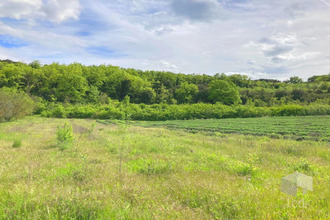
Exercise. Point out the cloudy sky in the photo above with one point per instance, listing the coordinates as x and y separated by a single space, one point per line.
258 38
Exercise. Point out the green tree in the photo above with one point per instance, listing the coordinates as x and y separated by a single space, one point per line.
71 84
162 94
148 96
240 80
224 92
35 64
30 78
295 80
186 92
203 93
11 75
93 94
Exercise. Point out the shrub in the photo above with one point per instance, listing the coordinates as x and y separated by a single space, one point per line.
162 112
14 104
65 136
59 112
289 110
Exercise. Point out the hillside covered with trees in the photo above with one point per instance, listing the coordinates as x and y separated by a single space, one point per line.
107 91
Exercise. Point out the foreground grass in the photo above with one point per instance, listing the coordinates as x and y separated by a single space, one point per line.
113 172
294 127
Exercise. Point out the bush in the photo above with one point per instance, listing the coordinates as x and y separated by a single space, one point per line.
162 112
289 110
65 136
59 111
14 105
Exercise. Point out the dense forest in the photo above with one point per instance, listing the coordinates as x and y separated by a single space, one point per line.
61 90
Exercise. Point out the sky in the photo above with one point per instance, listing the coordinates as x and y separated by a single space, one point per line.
258 38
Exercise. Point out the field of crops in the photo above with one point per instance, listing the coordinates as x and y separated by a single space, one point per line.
315 128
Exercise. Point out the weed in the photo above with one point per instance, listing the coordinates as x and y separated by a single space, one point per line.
293 151
77 173
150 166
17 143
303 166
113 150
242 168
253 158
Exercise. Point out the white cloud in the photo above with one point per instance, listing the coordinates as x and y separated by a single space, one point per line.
262 39
52 10
62 10
20 9
325 2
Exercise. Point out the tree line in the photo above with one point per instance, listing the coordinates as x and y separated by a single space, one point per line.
77 84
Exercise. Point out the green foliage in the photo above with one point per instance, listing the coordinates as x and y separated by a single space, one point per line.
162 112
17 143
162 94
295 80
35 64
14 104
11 76
77 173
186 92
94 95
126 101
148 96
59 111
304 166
64 136
224 92
72 85
78 91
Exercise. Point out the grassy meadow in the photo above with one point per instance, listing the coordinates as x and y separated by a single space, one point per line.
115 171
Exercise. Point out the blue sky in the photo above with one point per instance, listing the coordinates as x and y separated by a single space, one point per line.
258 38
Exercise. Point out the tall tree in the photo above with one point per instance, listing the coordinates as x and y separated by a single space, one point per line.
186 92
224 92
